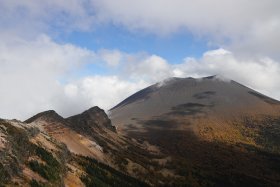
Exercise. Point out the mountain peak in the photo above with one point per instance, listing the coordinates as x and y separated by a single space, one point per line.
172 80
92 118
210 77
93 110
218 77
216 93
49 115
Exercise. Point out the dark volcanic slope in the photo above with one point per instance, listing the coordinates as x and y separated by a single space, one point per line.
191 96
215 132
50 116
91 118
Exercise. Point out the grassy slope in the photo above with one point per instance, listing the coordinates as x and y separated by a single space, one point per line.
50 164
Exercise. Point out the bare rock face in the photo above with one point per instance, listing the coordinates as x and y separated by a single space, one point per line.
48 116
91 119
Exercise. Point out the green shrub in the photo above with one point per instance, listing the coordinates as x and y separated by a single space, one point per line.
99 174
4 176
47 157
48 172
34 183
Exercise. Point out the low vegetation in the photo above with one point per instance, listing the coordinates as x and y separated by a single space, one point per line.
98 174
15 153
34 183
15 156
51 165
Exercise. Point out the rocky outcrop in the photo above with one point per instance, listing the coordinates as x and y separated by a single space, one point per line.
91 119
48 116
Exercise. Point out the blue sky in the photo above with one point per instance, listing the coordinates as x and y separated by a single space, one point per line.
72 55
174 47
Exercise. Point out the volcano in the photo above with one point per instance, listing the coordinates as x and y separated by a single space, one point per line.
214 130
192 98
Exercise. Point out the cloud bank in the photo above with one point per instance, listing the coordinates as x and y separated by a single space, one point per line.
243 26
30 73
247 27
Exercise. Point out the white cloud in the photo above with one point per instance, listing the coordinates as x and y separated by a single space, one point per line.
30 17
111 57
217 53
103 91
71 91
245 26
40 74
150 68
30 73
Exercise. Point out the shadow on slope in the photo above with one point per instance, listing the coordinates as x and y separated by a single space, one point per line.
265 98
205 163
204 95
189 109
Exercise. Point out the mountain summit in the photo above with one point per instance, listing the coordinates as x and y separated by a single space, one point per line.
216 131
92 118
194 98
49 115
